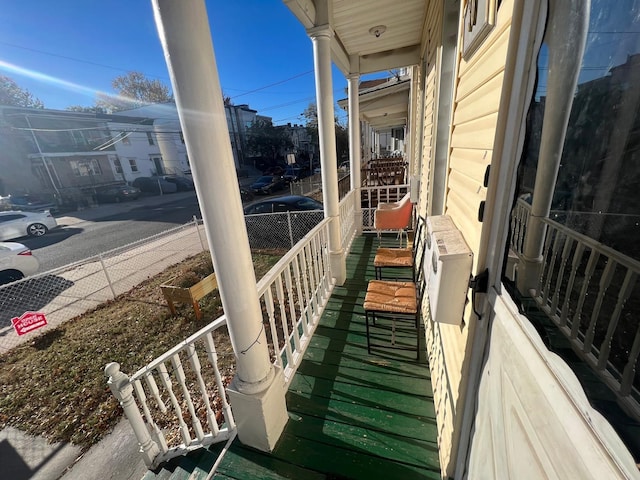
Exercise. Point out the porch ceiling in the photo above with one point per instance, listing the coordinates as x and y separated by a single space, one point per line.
355 49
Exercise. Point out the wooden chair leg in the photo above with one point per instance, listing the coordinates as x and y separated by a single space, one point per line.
366 316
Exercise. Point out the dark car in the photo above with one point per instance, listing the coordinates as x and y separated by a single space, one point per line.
30 203
268 184
117 193
183 184
282 221
290 203
155 185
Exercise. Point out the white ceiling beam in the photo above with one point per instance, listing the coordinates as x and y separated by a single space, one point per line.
304 10
390 59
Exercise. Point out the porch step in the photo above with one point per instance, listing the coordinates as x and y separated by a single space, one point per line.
194 466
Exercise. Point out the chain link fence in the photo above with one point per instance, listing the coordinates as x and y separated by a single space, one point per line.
280 230
69 291
66 292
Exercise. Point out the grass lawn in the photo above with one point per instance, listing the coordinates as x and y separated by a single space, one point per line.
55 385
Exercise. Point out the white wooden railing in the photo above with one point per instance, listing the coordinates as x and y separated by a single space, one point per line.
348 225
293 296
589 291
180 384
178 402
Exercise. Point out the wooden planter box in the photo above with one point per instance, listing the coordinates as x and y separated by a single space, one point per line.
189 295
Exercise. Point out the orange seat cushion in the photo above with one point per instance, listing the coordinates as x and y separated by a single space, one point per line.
393 257
391 297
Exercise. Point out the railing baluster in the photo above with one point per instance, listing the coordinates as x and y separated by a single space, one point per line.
312 279
197 369
168 385
605 281
568 244
153 386
282 302
558 237
213 360
544 272
292 308
588 274
629 372
577 258
303 297
182 380
623 296
157 434
272 325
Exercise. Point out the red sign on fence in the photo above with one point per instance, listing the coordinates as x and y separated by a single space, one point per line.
28 322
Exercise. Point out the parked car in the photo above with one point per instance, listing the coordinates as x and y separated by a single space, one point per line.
289 203
184 184
16 262
155 185
282 221
293 173
117 193
245 194
15 224
30 203
268 184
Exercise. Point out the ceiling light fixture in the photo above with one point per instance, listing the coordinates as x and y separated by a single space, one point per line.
378 30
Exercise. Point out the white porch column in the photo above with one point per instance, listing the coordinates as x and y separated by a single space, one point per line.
257 391
566 37
355 153
321 39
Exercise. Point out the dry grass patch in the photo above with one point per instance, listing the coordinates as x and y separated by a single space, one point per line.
55 386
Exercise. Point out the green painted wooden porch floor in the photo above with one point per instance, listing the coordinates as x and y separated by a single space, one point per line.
351 415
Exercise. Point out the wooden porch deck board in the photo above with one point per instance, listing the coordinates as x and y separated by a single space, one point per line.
351 415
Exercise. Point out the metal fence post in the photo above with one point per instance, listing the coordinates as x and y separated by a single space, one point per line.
290 229
195 221
123 390
106 274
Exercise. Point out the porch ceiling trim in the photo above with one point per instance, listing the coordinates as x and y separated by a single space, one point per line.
382 35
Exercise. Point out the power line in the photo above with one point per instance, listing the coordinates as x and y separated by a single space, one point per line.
274 84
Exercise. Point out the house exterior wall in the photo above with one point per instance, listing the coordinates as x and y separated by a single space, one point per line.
15 172
476 99
135 146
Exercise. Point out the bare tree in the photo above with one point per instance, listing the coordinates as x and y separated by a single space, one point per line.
12 94
133 90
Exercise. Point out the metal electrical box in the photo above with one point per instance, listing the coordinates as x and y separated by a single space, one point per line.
435 223
449 269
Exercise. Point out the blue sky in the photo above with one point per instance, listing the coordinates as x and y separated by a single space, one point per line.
64 51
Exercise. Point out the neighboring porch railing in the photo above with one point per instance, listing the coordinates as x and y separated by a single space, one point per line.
178 402
590 292
371 196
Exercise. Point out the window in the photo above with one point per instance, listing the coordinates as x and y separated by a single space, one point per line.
150 138
124 138
10 218
118 165
85 168
133 165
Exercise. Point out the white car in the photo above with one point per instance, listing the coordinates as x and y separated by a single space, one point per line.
15 224
16 262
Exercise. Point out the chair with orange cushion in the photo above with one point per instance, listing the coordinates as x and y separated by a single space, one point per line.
398 258
396 301
393 216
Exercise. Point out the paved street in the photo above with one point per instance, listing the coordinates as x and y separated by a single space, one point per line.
75 241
